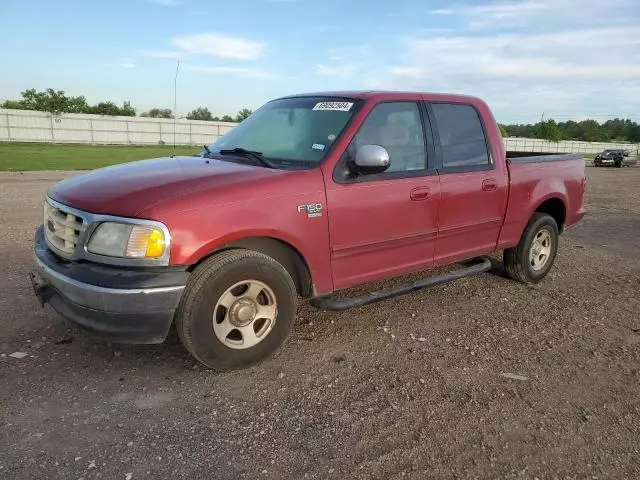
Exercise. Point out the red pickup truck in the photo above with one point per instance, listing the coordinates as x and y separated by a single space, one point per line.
311 194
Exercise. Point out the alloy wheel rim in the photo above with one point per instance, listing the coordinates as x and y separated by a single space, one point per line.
540 250
245 314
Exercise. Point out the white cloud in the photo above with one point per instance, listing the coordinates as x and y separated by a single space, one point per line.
335 70
344 61
518 13
442 11
594 69
579 54
167 3
221 46
233 71
321 28
408 72
500 10
127 62
165 54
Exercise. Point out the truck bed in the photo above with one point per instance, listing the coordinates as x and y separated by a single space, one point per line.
536 177
539 157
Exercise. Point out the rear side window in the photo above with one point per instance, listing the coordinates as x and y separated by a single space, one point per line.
462 139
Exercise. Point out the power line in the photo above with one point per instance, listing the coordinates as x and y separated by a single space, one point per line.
580 115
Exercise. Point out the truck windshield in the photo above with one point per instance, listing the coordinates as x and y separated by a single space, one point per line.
296 131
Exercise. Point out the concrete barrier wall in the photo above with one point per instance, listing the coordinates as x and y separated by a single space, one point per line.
565 146
31 126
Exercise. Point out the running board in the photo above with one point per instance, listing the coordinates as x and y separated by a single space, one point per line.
475 266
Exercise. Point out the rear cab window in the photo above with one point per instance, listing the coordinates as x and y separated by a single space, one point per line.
460 138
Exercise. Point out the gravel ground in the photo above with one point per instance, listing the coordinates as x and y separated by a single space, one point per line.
410 388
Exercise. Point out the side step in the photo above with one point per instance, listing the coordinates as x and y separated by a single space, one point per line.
475 266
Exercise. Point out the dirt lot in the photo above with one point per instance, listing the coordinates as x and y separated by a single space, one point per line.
353 394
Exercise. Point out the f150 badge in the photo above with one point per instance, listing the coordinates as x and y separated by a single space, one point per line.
312 209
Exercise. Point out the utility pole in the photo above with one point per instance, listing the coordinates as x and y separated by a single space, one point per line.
175 106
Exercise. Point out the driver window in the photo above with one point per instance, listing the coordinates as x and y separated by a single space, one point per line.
396 126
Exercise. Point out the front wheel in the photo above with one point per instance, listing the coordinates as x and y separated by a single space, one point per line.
238 308
533 257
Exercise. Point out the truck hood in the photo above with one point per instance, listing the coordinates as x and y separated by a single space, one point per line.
130 189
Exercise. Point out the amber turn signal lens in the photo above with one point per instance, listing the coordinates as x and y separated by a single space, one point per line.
145 242
155 246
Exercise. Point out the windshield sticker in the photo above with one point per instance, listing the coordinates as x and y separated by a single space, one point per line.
317 146
331 137
336 106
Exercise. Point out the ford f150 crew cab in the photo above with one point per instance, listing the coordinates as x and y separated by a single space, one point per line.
311 194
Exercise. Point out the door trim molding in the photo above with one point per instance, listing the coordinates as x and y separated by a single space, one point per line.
472 226
368 247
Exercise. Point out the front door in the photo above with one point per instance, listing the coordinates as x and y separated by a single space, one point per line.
384 224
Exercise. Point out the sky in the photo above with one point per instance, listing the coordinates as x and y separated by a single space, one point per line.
561 58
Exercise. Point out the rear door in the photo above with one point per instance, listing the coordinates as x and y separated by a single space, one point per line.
473 186
385 224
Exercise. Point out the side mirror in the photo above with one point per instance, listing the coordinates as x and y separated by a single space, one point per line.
372 159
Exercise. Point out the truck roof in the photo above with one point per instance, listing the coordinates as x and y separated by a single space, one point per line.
368 94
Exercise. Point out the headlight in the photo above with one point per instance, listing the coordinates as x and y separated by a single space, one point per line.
127 241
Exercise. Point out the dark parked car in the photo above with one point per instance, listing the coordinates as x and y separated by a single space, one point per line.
614 157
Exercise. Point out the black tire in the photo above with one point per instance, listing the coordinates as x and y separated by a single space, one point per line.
195 315
618 163
517 260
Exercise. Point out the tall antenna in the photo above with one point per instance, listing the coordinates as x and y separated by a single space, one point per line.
175 106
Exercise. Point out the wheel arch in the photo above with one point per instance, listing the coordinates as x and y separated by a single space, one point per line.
281 251
554 207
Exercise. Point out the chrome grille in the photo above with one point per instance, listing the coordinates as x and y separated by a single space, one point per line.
62 228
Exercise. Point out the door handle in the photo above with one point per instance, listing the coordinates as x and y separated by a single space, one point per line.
489 184
420 193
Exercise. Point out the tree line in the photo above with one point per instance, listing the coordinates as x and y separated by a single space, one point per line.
616 130
57 102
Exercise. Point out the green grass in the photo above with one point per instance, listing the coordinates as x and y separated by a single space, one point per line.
46 156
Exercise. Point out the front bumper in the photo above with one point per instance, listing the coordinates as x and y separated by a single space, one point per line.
121 306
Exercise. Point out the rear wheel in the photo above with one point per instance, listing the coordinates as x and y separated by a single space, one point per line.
533 257
237 310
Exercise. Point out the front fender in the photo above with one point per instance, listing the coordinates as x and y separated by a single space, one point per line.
195 235
218 243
